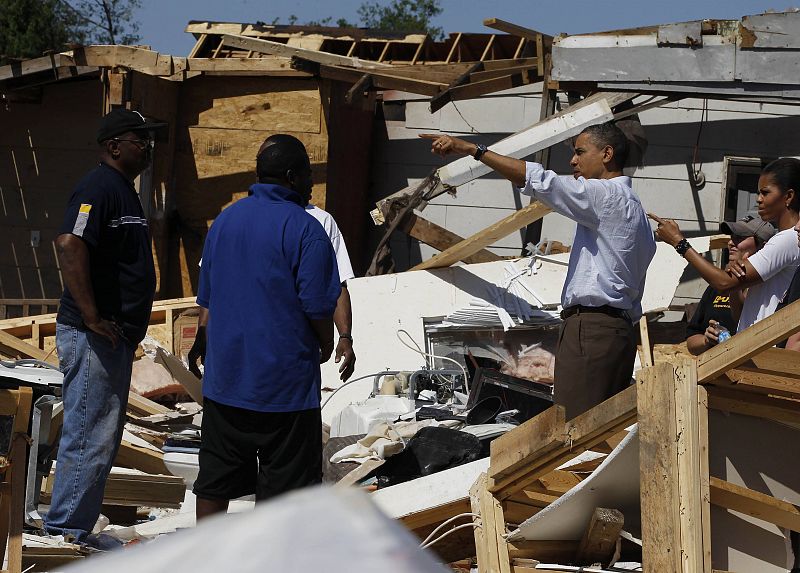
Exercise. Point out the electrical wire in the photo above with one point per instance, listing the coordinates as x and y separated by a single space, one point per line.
459 516
434 356
438 539
696 168
328 399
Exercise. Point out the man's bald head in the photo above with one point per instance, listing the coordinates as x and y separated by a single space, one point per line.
282 160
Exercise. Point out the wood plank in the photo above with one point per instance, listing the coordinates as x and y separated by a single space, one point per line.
278 49
482 533
761 382
494 526
516 30
444 97
128 489
658 459
13 346
139 458
647 350
687 425
776 360
439 238
436 514
528 441
478 88
276 65
749 342
705 491
599 541
500 72
142 407
526 464
547 550
382 80
757 405
755 504
486 237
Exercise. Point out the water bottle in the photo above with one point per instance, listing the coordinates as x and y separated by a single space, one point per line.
723 335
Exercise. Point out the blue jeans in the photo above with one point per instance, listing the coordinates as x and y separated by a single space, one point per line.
96 382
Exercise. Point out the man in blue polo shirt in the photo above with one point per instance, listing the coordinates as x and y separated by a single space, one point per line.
270 284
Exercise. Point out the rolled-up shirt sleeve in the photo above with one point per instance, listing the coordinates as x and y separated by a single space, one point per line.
318 285
581 200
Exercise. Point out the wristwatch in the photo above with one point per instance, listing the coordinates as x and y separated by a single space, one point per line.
682 246
480 149
348 336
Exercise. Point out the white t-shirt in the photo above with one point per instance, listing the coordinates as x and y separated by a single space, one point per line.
776 264
335 235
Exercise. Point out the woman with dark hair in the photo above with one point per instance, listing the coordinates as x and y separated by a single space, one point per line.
760 281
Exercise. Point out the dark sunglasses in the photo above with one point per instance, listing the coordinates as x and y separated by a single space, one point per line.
142 144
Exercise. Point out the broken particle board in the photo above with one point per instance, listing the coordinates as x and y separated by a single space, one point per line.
431 499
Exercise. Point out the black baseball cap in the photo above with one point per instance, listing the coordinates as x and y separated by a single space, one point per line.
750 226
119 121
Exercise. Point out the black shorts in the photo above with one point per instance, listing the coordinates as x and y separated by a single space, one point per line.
267 453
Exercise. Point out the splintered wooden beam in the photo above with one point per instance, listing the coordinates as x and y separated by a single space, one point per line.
749 342
755 504
440 238
545 442
488 236
278 49
600 539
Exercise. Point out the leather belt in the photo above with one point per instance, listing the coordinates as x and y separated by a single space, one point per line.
605 309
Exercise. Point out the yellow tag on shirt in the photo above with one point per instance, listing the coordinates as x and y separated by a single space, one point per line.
85 208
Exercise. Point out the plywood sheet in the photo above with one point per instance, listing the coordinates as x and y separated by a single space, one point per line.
260 103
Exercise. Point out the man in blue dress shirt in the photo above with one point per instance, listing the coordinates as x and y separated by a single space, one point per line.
613 246
270 284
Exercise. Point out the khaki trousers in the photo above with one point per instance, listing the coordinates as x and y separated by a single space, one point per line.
594 360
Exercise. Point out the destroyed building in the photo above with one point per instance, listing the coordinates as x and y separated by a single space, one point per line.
680 472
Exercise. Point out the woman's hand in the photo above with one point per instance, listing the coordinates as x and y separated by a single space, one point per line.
737 269
667 230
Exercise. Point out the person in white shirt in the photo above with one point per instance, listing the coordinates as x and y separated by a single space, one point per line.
612 248
760 281
343 316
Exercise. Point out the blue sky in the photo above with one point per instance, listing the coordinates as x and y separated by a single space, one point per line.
162 21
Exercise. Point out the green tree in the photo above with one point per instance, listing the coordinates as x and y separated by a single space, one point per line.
105 21
402 16
399 16
28 28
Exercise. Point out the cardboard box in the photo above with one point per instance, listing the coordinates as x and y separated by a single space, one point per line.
185 331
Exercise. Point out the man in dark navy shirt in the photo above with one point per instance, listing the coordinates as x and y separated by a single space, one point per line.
270 283
109 279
